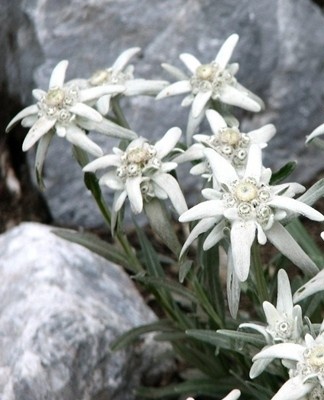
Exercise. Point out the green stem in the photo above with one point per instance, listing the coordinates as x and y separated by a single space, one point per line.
261 284
121 119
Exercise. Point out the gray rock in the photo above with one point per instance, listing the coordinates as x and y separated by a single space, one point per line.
279 53
61 307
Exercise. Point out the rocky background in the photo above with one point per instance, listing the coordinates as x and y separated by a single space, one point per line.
281 56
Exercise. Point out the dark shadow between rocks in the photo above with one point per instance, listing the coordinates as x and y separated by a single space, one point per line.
20 200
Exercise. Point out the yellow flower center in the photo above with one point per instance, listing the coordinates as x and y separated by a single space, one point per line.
316 356
55 97
246 191
205 71
99 77
138 155
230 136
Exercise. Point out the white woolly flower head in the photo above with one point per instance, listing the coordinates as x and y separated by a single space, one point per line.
122 73
63 110
140 173
226 140
212 81
306 367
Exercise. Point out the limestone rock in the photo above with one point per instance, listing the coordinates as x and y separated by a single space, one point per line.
61 307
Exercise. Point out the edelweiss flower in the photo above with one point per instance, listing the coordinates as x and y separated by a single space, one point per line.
284 322
62 110
228 141
122 74
140 173
213 81
307 367
233 395
250 208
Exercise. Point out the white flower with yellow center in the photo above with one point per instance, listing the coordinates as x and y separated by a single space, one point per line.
228 141
250 208
284 322
63 110
306 367
212 81
122 74
140 173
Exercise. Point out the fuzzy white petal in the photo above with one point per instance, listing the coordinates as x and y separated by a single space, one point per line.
176 72
79 138
108 128
233 395
124 58
171 186
135 87
271 313
225 52
103 104
284 298
40 128
289 351
190 62
38 94
192 125
215 235
133 188
98 91
119 200
262 135
31 110
216 121
203 226
235 97
86 112
259 366
206 209
60 130
174 89
232 286
194 152
102 162
199 103
293 389
110 180
242 237
168 166
316 132
254 163
223 170
287 245
167 142
286 203
58 75
29 121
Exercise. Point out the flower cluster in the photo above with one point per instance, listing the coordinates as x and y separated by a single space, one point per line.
249 207
245 205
